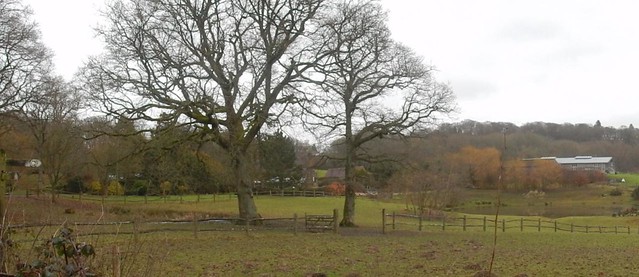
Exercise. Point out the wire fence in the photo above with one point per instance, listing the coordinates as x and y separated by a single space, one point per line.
396 221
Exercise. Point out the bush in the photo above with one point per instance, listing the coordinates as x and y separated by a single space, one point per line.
62 255
115 188
335 189
635 193
616 192
139 187
75 185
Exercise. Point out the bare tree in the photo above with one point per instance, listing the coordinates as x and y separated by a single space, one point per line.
369 86
225 67
24 60
52 121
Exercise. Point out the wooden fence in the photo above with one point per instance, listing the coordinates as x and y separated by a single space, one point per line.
465 223
310 223
321 223
187 198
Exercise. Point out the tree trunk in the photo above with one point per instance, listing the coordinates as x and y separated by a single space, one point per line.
348 219
3 207
245 200
349 207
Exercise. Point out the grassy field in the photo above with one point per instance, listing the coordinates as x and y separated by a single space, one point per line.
430 253
631 179
363 251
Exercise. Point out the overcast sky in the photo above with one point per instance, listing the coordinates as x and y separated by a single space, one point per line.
573 61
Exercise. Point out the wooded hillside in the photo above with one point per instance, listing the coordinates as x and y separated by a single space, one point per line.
79 156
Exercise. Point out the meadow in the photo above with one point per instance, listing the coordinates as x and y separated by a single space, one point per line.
180 250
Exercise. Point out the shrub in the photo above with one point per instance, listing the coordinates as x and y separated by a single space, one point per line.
635 193
75 185
115 188
95 187
616 192
60 256
336 189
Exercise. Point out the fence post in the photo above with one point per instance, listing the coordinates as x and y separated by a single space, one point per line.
335 219
295 224
136 231
600 229
443 223
484 223
539 225
464 223
555 226
195 227
587 227
521 226
116 261
503 225
383 221
628 229
393 220
572 226
420 222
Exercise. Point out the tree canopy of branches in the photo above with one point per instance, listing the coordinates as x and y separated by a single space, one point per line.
225 67
52 121
368 86
24 60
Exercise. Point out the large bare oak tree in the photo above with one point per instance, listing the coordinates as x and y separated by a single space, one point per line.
225 67
369 86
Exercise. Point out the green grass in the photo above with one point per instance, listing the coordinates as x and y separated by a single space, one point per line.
431 253
631 179
591 200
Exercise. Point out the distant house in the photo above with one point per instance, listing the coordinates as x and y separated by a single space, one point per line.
337 174
603 164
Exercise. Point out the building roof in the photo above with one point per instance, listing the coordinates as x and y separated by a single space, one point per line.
584 160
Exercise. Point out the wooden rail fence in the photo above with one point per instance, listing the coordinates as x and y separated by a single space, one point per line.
395 220
311 223
321 223
146 199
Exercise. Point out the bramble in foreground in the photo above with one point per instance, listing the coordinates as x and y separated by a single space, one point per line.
60 256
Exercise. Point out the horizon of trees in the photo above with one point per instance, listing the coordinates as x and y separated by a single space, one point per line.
456 156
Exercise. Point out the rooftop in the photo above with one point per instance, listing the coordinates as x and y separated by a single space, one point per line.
584 160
